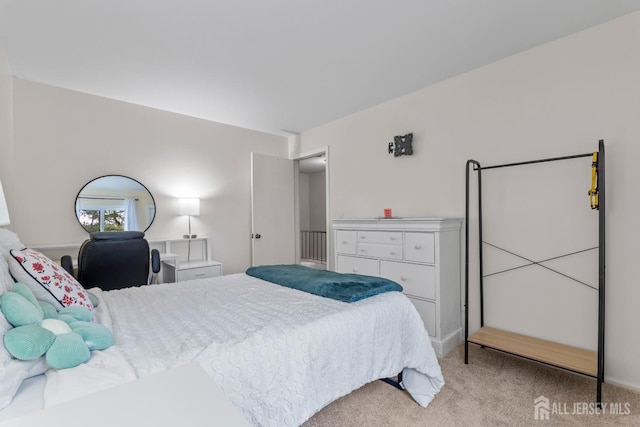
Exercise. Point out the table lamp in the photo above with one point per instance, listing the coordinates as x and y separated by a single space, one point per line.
189 207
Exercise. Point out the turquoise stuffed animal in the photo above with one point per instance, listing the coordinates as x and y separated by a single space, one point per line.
64 337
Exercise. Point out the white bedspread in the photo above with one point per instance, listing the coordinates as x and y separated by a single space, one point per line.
279 354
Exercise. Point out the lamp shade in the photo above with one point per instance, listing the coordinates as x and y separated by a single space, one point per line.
189 206
4 211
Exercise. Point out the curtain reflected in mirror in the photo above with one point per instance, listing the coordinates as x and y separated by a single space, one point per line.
115 203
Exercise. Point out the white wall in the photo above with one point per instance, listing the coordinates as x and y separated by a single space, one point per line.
557 99
6 123
317 201
312 201
63 139
303 201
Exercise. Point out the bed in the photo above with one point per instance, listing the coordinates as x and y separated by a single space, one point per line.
279 354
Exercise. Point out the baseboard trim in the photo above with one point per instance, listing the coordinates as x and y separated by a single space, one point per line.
450 342
621 384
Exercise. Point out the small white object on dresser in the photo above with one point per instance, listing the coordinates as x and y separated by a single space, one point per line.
421 254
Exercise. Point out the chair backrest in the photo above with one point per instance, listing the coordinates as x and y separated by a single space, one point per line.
114 260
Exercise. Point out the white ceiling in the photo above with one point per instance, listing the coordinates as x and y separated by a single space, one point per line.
275 65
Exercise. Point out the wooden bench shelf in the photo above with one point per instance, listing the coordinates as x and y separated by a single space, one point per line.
549 352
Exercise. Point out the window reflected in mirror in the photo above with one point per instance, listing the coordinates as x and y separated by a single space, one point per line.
115 203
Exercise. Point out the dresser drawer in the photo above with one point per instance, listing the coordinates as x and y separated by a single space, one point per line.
419 247
427 311
385 237
416 280
350 264
346 242
380 251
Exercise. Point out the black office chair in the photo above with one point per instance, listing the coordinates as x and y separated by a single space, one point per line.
115 260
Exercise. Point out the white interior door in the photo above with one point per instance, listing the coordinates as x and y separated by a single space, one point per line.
272 210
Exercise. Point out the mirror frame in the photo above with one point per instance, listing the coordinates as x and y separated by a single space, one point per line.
75 202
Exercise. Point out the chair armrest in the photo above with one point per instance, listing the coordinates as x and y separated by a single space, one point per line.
67 263
155 260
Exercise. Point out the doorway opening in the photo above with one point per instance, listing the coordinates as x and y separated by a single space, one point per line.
312 207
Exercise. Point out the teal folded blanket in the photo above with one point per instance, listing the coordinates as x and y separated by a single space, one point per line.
329 284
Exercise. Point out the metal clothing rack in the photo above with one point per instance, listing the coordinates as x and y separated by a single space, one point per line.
562 356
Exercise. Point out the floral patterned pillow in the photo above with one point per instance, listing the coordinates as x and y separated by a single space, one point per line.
48 280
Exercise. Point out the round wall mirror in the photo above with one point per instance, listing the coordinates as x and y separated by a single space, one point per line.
115 203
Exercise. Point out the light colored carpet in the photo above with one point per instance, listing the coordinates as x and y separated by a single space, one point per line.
494 389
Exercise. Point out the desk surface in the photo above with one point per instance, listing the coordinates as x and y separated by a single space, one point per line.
183 396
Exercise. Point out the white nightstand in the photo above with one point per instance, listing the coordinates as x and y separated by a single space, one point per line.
176 271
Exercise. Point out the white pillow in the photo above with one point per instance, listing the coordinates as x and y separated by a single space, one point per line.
13 373
6 281
6 284
47 280
8 240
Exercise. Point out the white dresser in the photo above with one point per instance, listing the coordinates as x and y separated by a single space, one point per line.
421 254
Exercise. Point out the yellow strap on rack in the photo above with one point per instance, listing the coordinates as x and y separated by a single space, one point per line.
593 192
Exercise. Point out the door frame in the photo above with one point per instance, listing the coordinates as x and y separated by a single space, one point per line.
296 202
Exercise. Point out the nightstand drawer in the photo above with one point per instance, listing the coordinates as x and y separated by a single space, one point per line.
198 273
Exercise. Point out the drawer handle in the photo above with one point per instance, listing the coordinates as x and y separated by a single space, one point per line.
392 253
363 250
363 237
355 269
344 242
393 237
418 246
403 278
